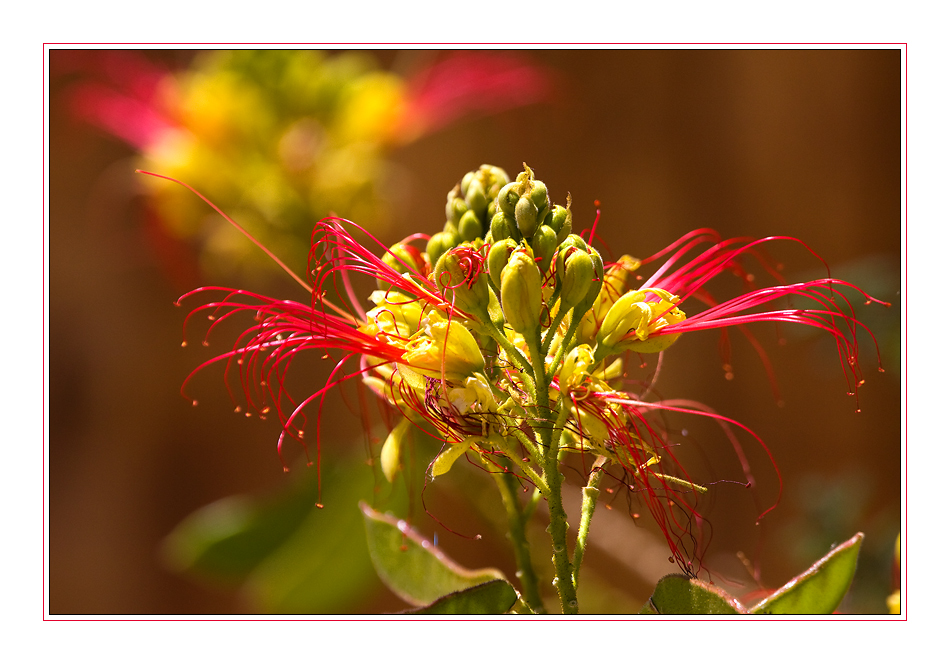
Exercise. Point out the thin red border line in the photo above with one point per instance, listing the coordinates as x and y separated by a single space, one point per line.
906 184
43 333
393 618
905 574
525 45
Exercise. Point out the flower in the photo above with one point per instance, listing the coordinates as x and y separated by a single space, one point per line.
667 289
285 136
407 328
442 350
514 360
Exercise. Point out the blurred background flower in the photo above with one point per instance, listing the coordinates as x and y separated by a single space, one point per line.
285 137
750 142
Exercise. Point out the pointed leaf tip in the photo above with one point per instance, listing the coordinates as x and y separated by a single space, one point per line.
820 588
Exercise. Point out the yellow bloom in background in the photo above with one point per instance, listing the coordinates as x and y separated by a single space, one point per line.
285 137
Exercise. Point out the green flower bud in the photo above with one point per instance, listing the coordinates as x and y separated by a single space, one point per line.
577 279
521 292
568 246
466 182
575 241
503 226
507 198
498 258
495 179
459 278
526 216
544 244
455 207
596 284
559 219
470 227
402 258
440 243
538 193
476 199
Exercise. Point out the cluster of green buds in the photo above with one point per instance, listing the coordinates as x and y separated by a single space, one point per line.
468 209
523 213
529 299
506 364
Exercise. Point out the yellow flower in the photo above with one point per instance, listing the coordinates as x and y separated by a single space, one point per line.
444 349
631 321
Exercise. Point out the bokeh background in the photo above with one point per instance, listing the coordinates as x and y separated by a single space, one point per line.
750 142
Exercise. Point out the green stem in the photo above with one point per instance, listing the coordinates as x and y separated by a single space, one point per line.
530 446
531 475
509 488
532 504
564 578
542 398
567 343
563 573
512 352
591 491
552 330
541 384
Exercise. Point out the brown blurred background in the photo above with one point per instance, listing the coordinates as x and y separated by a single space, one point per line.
749 142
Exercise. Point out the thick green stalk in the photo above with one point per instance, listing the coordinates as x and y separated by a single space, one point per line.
530 589
563 572
591 491
564 577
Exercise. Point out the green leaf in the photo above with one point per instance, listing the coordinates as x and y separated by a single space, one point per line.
285 554
820 588
412 567
677 594
494 597
227 539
